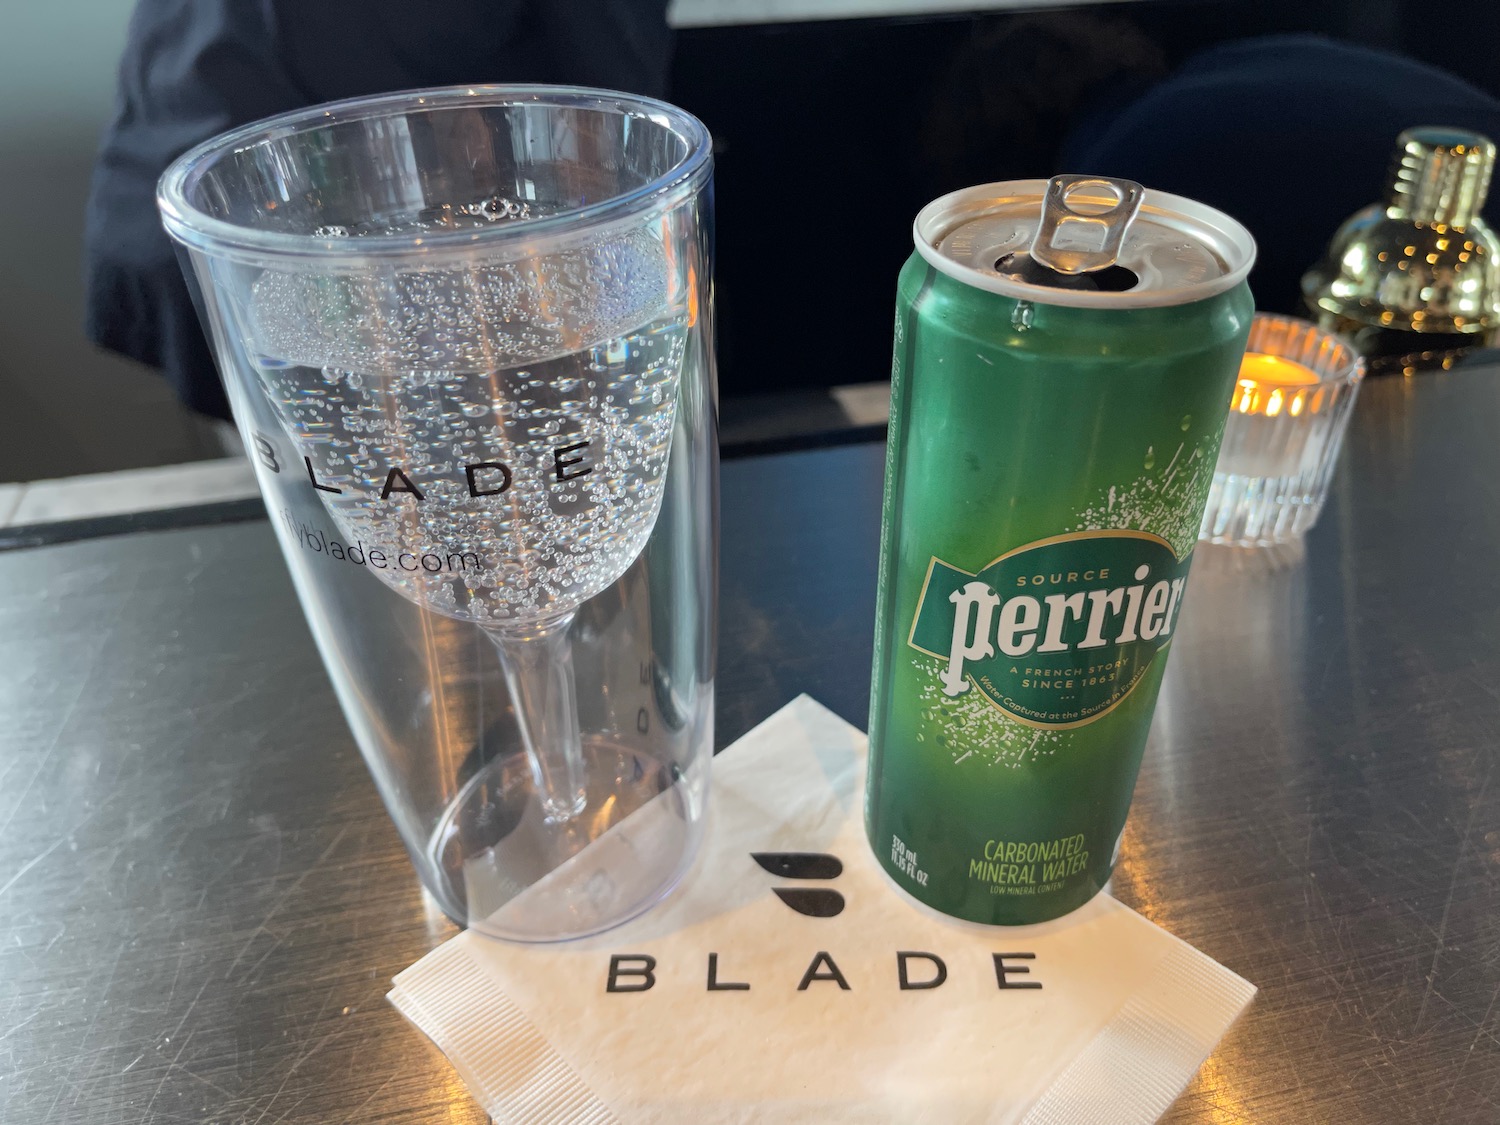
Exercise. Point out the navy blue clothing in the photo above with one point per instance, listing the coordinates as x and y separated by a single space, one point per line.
194 68
1289 134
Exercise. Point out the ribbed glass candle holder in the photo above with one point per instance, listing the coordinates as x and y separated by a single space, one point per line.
1286 423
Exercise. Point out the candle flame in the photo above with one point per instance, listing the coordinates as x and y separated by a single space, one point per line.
1269 384
1244 396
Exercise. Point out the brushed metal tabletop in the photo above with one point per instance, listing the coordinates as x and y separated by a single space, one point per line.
202 901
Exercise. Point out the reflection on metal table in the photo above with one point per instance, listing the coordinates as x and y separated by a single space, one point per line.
202 900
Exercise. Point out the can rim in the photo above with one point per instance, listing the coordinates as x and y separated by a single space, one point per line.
1227 237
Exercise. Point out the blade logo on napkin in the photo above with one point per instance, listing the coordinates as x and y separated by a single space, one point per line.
636 972
805 865
869 1009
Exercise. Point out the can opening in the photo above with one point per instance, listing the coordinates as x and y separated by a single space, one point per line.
1023 267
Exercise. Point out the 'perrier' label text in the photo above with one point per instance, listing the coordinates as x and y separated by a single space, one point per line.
1054 633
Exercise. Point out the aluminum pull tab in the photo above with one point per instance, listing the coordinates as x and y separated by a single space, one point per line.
1084 222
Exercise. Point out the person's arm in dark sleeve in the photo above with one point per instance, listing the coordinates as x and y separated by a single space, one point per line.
616 44
191 69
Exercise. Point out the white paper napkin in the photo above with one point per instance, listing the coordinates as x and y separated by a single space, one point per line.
753 996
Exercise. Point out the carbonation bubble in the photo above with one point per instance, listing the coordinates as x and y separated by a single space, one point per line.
497 208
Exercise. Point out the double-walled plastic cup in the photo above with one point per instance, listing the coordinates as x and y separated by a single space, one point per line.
466 334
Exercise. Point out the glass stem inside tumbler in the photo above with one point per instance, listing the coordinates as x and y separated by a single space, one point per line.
538 664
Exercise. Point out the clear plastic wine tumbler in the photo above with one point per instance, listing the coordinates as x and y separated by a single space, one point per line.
467 338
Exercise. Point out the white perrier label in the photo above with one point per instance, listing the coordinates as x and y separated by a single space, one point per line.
1057 632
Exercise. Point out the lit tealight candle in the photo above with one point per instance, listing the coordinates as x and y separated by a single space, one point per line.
1269 383
1287 415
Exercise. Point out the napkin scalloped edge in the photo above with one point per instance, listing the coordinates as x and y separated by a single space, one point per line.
1139 1062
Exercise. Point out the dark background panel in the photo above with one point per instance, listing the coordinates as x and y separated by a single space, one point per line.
830 136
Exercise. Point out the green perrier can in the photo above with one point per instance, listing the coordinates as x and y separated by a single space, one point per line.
1064 359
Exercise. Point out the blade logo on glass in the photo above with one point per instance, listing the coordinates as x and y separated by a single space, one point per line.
815 903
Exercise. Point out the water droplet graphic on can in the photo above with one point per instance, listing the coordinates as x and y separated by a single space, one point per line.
1187 420
1150 456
